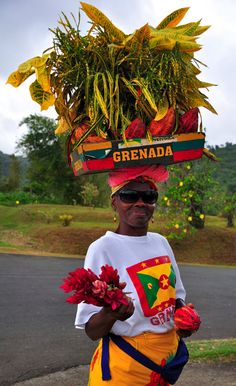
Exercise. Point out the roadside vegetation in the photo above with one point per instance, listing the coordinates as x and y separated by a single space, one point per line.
223 350
40 228
45 208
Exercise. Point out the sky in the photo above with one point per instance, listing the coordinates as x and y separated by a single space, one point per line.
24 31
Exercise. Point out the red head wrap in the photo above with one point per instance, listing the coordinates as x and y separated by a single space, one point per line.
152 174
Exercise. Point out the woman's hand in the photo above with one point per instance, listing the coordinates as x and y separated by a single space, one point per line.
100 324
122 313
186 319
184 333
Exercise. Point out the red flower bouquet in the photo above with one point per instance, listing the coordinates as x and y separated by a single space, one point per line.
187 318
103 290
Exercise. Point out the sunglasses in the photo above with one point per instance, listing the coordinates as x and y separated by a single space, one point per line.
132 196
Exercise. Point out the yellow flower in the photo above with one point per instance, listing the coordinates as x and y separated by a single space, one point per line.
190 218
190 195
185 230
188 167
176 226
202 216
165 198
17 202
181 183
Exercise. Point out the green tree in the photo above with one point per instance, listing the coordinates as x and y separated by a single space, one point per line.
187 195
48 173
229 204
14 173
102 199
89 193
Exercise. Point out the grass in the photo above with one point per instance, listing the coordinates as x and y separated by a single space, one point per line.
212 350
5 245
37 227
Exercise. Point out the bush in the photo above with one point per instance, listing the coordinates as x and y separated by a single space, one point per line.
17 198
66 219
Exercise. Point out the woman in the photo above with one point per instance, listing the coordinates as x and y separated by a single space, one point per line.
144 261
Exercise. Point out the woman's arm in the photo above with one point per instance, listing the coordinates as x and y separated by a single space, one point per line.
100 324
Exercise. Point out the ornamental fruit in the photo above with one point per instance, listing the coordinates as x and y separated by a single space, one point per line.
187 318
164 126
188 122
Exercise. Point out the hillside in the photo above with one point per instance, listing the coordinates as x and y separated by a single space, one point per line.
37 228
225 169
5 161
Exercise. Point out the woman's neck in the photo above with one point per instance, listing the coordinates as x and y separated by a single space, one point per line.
130 231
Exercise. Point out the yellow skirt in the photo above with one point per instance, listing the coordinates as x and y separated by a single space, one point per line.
125 371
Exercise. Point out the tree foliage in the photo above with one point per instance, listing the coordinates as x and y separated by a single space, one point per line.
14 173
48 172
187 196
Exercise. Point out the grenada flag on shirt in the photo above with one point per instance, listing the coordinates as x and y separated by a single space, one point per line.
154 280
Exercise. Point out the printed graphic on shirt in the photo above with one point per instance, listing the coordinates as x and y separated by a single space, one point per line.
154 280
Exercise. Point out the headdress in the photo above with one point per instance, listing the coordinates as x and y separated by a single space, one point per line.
112 90
152 174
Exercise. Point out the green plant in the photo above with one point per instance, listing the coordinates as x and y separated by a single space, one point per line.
186 197
16 198
66 219
89 192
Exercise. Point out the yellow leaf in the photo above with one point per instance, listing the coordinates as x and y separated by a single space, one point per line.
162 43
138 37
149 136
162 109
99 18
201 29
25 67
43 77
60 106
187 46
62 126
194 69
16 78
146 94
210 155
43 98
198 100
35 62
200 84
99 97
173 19
172 33
101 133
187 29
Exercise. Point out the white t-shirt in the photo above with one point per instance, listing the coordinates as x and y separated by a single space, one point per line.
147 265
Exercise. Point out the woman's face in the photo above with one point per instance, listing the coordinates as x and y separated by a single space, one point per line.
134 215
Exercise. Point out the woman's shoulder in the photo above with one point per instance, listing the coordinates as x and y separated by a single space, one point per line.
101 242
157 236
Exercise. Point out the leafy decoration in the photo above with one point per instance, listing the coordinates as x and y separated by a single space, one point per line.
45 99
106 78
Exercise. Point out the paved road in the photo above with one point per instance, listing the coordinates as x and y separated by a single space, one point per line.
37 335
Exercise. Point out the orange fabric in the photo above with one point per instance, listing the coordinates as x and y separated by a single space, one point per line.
126 371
